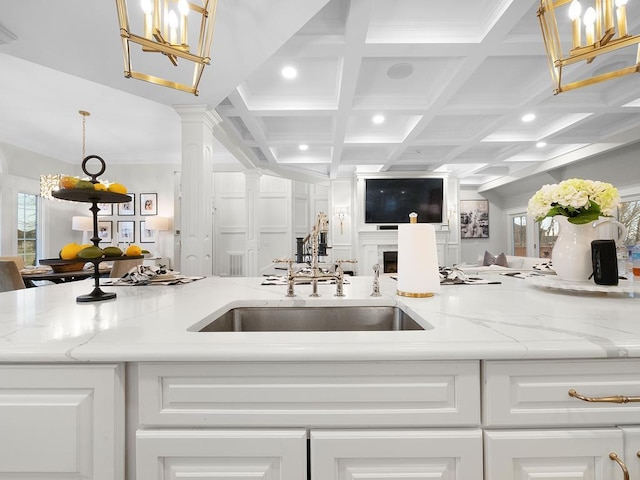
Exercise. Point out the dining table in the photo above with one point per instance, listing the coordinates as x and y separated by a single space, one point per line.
33 275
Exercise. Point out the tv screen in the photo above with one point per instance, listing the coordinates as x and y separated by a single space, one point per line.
391 200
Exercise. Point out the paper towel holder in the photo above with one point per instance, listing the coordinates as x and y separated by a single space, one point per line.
422 279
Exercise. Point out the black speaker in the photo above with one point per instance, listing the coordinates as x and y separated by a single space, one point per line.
605 263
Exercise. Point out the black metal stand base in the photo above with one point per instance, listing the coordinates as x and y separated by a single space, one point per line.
96 295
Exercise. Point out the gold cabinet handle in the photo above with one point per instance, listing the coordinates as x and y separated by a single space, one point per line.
615 458
612 399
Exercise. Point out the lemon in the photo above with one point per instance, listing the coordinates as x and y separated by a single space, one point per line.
100 186
70 251
133 251
117 188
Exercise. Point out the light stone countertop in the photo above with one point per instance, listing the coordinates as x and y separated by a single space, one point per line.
512 320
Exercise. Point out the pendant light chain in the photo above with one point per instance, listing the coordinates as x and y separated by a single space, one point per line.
84 114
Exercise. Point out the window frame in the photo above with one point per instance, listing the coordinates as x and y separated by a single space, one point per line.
38 226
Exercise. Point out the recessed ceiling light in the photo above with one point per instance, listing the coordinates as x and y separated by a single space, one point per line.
303 147
529 117
289 72
378 119
541 144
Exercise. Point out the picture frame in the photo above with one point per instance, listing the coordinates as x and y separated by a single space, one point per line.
146 235
126 231
148 204
128 208
106 209
474 219
105 231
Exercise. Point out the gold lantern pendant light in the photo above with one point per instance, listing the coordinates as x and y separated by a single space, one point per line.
605 28
166 31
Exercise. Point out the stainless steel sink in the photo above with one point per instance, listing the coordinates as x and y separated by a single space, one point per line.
310 319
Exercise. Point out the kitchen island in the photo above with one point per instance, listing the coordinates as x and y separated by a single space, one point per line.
480 393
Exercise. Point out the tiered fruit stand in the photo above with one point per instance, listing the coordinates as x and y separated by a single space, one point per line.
88 195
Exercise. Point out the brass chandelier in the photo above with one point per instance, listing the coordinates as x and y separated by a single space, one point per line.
167 26
605 28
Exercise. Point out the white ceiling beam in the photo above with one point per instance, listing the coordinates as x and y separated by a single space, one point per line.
356 28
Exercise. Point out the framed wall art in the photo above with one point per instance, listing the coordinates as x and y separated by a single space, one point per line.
474 219
106 209
128 208
148 204
105 230
126 231
147 235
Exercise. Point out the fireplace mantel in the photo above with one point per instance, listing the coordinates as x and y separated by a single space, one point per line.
373 243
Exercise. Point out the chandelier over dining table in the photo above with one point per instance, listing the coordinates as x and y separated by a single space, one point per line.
168 27
604 24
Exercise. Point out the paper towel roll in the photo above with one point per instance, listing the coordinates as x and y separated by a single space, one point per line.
418 273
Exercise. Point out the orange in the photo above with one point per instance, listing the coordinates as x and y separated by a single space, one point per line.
68 182
133 251
117 188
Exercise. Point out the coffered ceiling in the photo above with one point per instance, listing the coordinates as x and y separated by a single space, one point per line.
452 80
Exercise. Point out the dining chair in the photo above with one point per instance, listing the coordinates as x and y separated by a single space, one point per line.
17 259
10 278
121 267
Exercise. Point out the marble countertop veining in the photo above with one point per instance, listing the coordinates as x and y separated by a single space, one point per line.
510 320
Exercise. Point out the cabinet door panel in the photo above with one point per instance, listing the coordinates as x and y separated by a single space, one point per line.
61 421
221 454
553 454
393 454
535 393
632 450
313 394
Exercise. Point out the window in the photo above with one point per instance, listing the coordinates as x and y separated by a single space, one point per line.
629 216
547 234
27 227
519 231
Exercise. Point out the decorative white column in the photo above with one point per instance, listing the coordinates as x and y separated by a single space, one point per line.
252 192
196 204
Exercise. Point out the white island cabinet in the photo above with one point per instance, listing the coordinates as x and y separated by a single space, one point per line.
535 429
420 417
482 393
61 421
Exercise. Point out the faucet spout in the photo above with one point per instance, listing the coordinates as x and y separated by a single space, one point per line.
316 274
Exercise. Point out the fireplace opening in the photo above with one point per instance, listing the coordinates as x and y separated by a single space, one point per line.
390 262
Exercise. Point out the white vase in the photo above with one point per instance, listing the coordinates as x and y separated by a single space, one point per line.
571 254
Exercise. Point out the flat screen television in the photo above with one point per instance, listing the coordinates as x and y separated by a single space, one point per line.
391 200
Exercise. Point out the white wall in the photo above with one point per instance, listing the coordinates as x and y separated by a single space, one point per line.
471 248
286 210
144 179
229 218
22 174
275 220
619 167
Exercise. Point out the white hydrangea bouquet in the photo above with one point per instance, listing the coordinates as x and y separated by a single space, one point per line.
582 201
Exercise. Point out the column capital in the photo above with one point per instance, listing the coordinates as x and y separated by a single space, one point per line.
252 173
198 113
